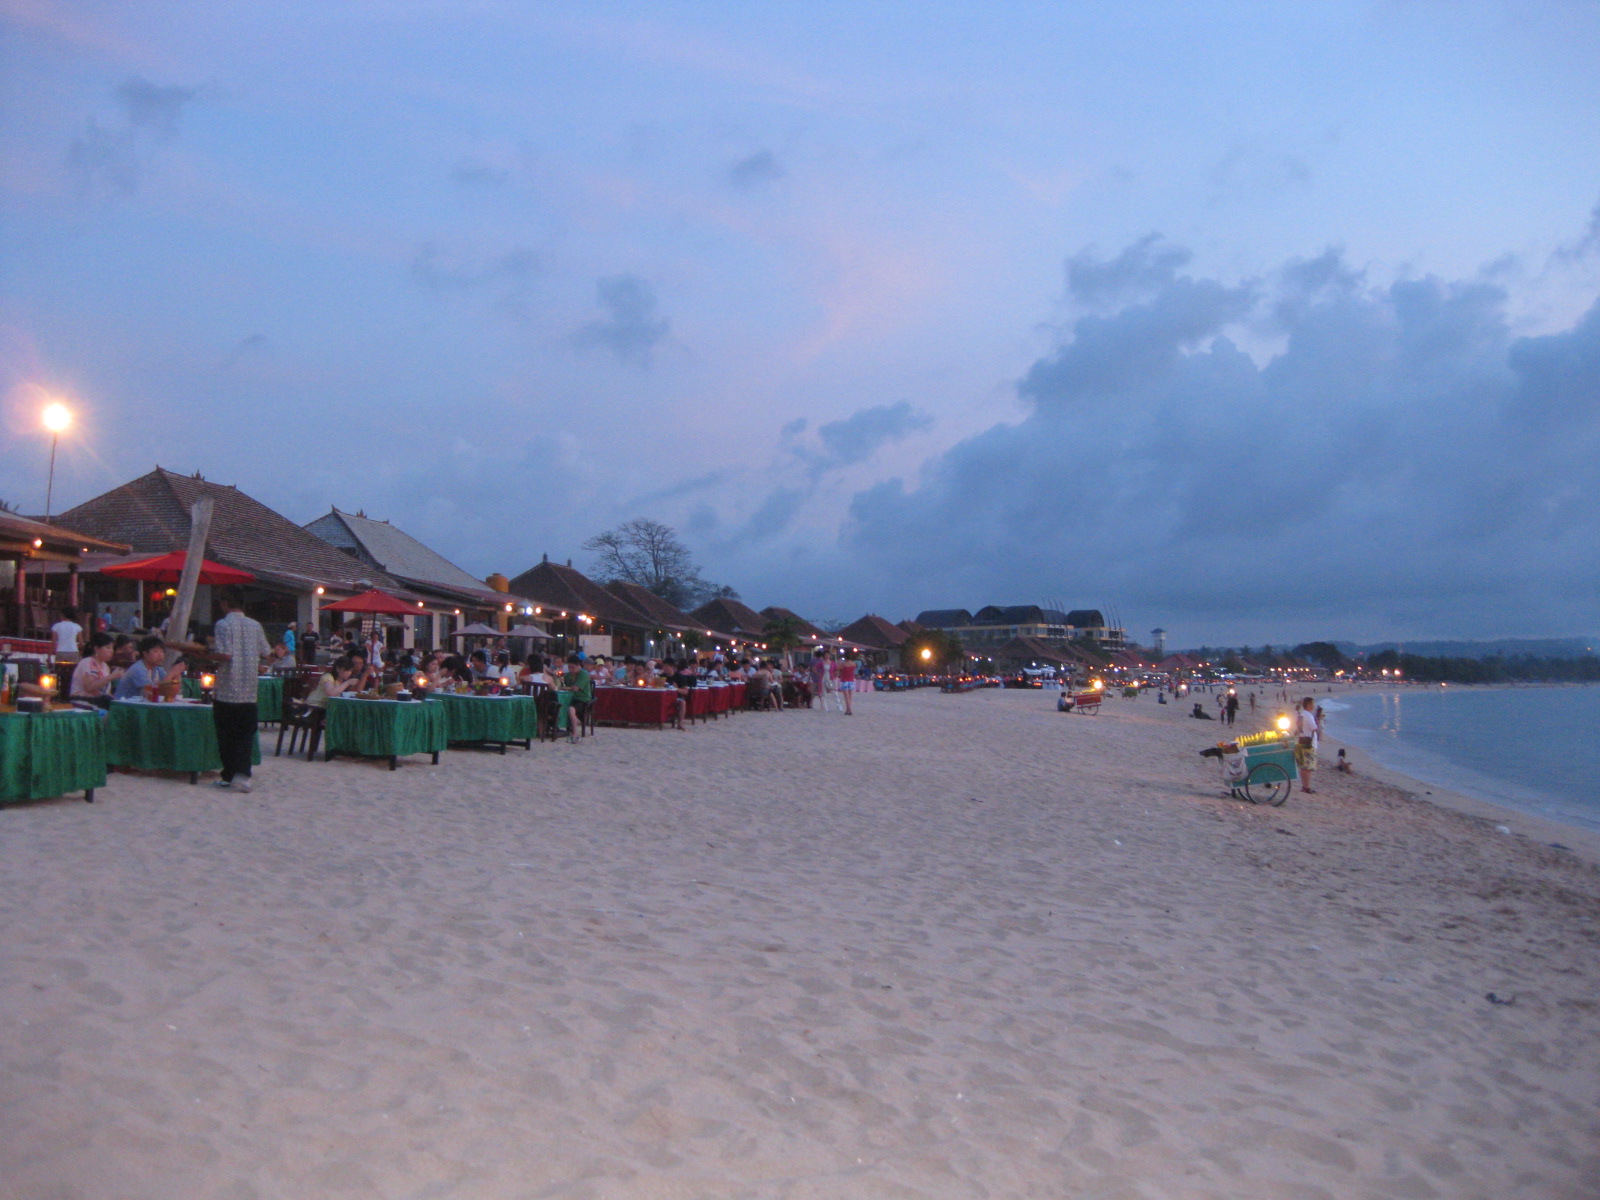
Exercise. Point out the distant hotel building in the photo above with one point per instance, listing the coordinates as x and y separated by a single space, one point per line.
992 627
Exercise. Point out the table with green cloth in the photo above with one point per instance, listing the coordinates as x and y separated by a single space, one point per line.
51 754
180 736
490 719
269 698
389 729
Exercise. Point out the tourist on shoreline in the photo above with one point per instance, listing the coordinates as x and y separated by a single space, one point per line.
1307 730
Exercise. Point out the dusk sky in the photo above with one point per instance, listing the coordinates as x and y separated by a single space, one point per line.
1251 321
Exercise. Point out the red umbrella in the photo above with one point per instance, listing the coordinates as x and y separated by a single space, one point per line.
373 601
168 568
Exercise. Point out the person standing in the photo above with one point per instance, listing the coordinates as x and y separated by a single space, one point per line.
308 643
1305 745
239 645
1233 706
68 636
819 679
847 682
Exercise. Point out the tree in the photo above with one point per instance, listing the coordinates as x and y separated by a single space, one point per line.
944 652
783 634
651 555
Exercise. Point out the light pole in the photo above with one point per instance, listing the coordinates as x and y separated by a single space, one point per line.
57 417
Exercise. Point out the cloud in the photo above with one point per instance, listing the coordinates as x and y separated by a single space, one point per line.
772 516
633 329
852 439
114 159
154 108
760 167
1403 464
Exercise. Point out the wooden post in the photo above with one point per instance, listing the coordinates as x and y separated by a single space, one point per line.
199 528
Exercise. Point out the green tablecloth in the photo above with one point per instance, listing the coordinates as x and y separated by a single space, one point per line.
269 698
269 695
385 728
50 754
490 718
164 737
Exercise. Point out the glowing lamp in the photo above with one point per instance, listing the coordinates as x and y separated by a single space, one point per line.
47 682
926 654
38 543
1283 724
320 589
207 682
57 418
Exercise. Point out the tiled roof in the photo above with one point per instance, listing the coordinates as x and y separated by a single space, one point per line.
944 618
872 630
558 587
806 628
151 514
665 615
731 616
393 550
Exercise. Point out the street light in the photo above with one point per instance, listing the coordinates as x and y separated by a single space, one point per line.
57 418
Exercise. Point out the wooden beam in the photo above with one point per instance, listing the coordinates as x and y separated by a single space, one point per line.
199 529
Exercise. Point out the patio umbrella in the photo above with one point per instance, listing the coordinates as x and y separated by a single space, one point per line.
477 629
373 601
528 631
168 568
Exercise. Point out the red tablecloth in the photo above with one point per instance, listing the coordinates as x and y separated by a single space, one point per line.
737 692
699 706
633 706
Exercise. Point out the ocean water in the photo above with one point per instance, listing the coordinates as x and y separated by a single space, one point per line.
1534 749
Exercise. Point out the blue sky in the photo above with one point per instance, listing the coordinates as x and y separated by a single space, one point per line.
1247 321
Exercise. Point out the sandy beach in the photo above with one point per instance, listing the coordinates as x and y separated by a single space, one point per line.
953 946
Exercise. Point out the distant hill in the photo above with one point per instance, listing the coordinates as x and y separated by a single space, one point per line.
1573 647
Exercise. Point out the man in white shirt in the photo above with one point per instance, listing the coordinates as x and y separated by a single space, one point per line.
69 637
1307 733
239 644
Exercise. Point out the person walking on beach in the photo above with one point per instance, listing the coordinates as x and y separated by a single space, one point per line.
847 682
239 646
819 679
1232 709
1305 746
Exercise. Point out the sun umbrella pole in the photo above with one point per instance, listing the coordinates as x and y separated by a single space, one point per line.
199 528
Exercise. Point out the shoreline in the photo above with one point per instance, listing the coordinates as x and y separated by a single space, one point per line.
1549 830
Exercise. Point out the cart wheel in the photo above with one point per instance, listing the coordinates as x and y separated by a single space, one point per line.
1267 783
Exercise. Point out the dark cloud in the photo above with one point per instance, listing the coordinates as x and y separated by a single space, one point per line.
633 329
105 160
855 438
1150 262
154 108
1404 464
113 160
772 516
760 167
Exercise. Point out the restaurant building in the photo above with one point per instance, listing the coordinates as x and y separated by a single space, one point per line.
992 626
40 575
449 597
581 613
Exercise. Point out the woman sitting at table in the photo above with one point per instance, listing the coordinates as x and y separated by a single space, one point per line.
93 676
452 670
578 681
532 672
340 678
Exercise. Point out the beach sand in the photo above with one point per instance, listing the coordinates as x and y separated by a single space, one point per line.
953 946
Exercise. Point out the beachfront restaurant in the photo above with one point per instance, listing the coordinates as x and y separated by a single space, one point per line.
41 575
580 614
296 573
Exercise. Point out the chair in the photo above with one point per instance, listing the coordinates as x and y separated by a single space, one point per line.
548 705
299 718
582 712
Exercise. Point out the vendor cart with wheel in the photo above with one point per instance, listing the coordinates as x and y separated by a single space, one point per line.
1259 768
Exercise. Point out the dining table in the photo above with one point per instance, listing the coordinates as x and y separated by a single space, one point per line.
269 696
615 705
177 735
391 729
50 754
489 720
